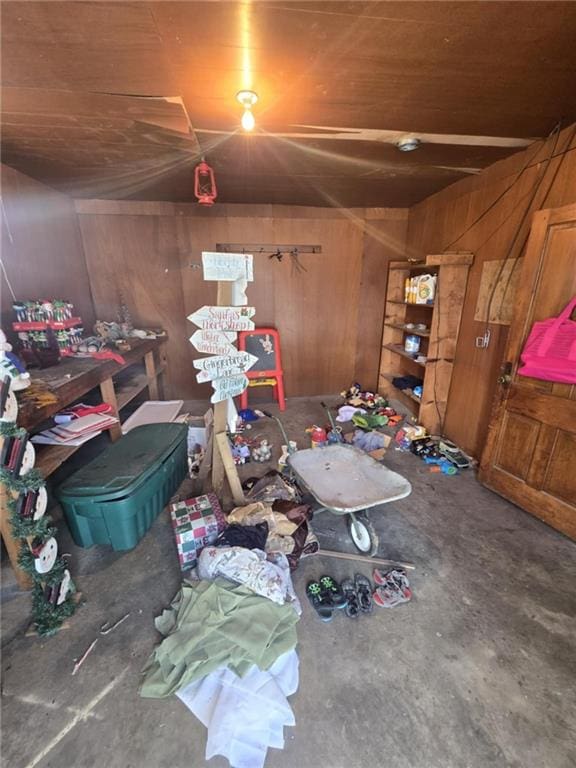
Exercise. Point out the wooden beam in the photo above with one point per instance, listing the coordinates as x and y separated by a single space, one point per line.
230 468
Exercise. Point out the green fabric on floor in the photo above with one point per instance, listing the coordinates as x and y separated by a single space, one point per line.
212 624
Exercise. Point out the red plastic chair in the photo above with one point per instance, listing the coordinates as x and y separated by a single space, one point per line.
265 344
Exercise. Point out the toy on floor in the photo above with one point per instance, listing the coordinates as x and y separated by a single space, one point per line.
287 450
318 436
240 450
359 399
263 453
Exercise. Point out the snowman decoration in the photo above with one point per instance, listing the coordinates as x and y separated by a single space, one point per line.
11 366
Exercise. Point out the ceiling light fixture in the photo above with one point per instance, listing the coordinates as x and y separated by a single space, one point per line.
408 144
247 99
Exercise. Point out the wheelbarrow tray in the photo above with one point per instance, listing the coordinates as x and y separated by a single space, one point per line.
345 479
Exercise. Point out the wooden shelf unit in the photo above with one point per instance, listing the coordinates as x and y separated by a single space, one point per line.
438 341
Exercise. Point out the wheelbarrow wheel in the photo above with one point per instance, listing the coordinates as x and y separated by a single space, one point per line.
363 534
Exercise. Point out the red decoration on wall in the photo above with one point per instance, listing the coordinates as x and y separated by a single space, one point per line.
205 184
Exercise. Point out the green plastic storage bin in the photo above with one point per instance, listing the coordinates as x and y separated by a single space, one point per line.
116 497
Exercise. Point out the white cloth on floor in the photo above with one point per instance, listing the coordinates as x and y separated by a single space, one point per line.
244 715
267 575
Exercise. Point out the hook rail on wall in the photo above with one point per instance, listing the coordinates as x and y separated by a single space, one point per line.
270 249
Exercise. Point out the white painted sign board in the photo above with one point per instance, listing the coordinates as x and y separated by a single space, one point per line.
223 318
223 365
213 342
227 266
228 387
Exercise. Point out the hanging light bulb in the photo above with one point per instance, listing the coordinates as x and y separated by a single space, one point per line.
248 121
247 99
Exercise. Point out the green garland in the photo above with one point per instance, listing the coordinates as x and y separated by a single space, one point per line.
48 618
9 429
31 481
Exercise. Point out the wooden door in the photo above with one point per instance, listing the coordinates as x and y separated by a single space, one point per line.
530 454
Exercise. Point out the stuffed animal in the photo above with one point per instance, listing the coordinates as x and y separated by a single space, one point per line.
263 453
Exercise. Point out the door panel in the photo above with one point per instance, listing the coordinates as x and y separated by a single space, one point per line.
530 454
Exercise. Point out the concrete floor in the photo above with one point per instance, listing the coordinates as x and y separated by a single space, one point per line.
477 671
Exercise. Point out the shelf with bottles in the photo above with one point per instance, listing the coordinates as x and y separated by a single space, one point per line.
419 339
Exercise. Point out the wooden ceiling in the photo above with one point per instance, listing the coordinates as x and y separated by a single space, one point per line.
120 99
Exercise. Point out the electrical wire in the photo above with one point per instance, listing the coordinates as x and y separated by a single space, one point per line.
515 260
527 210
555 132
505 191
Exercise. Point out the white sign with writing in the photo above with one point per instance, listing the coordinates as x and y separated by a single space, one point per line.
223 318
227 266
214 342
228 387
223 365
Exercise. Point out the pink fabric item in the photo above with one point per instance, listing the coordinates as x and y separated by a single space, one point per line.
550 350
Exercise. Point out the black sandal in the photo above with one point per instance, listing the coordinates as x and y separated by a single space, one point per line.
352 609
364 592
332 592
318 602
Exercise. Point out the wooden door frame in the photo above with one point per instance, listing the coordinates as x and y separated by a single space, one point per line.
541 221
520 326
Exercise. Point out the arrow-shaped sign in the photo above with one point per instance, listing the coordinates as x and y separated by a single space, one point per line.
229 387
222 366
213 342
224 318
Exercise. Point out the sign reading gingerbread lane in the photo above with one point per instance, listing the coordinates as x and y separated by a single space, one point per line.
213 342
228 387
224 318
223 365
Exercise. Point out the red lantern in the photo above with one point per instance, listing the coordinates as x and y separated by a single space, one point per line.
205 184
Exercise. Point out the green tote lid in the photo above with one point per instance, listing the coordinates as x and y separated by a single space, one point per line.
127 463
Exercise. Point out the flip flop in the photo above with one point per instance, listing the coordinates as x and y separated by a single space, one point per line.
314 594
331 592
352 609
364 592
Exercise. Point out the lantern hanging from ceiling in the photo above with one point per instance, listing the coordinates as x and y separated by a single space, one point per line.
205 184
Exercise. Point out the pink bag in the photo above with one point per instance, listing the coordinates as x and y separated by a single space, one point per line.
550 350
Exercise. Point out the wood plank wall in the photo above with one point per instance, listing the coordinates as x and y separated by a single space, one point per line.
41 247
329 317
438 223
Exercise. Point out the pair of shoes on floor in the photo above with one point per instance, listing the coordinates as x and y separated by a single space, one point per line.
358 594
392 587
325 596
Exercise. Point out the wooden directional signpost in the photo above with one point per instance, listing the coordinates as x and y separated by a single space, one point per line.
223 318
231 386
223 365
218 326
213 342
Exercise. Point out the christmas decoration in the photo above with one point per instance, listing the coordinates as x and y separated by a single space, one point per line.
25 499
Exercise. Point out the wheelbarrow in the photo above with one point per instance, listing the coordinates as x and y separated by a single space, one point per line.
346 481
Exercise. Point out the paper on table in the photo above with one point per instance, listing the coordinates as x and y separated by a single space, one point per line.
46 438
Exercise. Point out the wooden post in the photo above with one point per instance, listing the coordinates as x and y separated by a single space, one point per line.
224 299
230 468
13 546
151 374
109 396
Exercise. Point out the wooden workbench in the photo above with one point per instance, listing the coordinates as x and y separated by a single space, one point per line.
70 381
